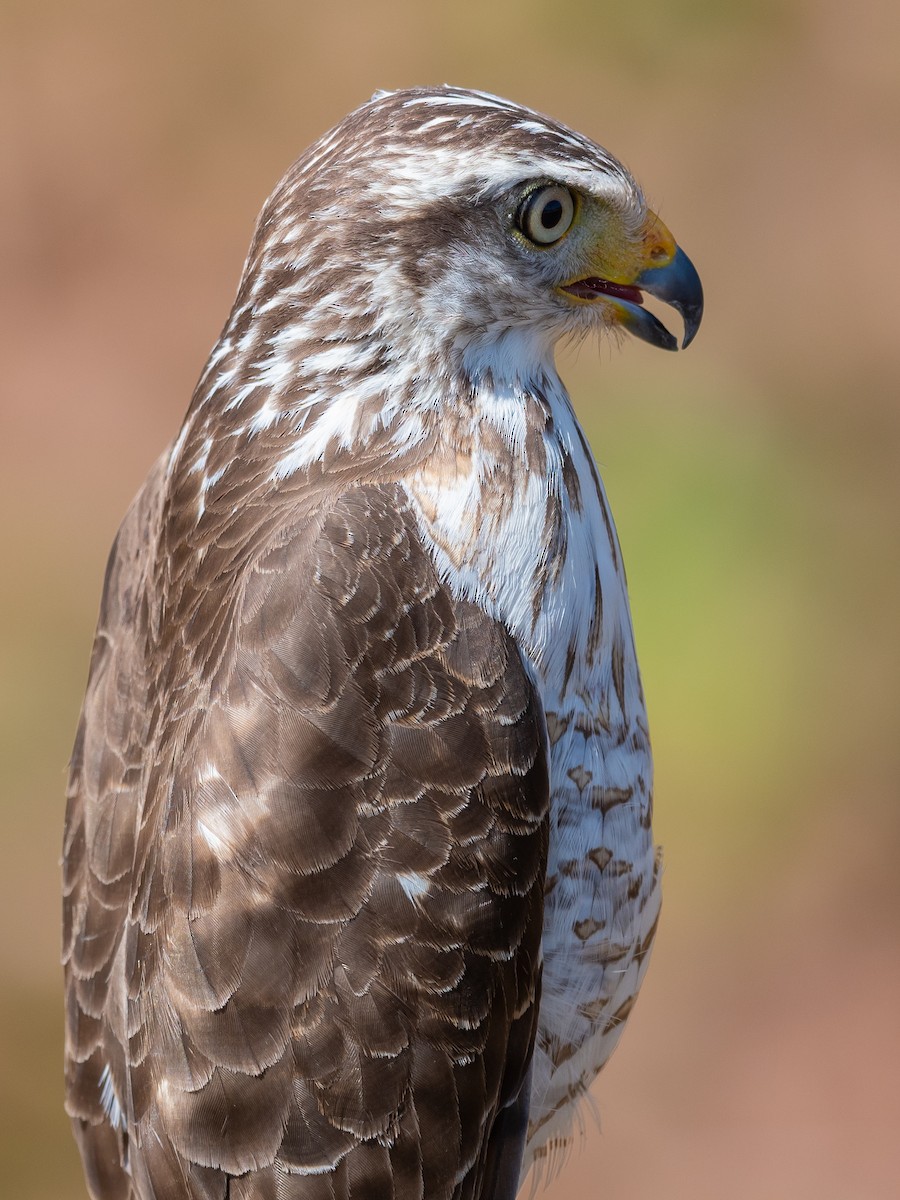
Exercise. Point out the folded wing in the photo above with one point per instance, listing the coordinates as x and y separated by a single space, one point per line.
304 876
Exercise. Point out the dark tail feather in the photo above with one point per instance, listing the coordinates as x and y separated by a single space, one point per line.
506 1146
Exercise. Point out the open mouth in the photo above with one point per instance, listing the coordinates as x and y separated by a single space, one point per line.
587 289
628 301
677 284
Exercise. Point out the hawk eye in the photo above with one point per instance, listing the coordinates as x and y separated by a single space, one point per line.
547 214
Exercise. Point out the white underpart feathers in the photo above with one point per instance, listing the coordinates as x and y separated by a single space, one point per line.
604 743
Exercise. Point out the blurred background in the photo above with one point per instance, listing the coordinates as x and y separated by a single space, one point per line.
755 481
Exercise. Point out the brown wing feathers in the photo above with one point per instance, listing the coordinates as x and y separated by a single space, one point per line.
320 977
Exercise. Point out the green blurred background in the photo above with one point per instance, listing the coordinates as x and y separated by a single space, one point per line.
755 481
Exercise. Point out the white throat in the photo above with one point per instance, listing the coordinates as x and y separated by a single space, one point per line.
515 514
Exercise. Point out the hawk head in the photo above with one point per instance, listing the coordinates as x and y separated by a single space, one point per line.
466 224
433 240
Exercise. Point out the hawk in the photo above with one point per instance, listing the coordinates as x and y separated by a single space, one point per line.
359 875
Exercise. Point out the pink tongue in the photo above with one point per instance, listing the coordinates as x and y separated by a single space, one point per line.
603 287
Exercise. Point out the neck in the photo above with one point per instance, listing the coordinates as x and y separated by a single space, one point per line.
301 400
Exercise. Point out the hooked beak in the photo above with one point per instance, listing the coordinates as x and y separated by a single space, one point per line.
677 284
674 281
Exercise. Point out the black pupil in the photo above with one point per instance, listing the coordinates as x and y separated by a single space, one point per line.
551 214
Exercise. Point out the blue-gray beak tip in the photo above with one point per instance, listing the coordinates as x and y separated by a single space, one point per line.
677 284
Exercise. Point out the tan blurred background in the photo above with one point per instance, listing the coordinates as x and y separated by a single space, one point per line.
755 481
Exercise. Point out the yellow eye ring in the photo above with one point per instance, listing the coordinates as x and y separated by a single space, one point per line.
546 214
